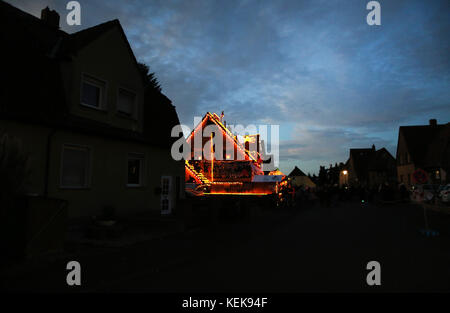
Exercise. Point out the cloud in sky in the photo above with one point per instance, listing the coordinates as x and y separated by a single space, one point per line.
315 67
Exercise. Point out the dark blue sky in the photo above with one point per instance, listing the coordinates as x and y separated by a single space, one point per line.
314 67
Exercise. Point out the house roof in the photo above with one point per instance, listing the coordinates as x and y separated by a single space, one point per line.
381 160
26 33
365 160
361 159
439 153
426 144
29 75
296 172
79 40
214 118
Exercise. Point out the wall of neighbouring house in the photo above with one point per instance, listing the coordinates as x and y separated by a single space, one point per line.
352 177
108 170
405 168
376 178
404 174
299 181
343 179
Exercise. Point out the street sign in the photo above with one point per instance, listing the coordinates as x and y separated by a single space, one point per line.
420 176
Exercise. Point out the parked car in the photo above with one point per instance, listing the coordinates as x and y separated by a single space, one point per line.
425 193
444 193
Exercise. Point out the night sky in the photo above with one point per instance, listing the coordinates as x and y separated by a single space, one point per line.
316 68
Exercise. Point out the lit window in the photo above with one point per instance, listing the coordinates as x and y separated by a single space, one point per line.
135 169
92 92
126 102
75 167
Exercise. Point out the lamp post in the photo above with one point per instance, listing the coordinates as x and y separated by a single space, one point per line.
345 173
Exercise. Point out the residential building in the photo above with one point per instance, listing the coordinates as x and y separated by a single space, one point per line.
78 104
368 168
299 179
425 147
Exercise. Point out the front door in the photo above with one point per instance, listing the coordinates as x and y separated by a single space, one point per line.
166 195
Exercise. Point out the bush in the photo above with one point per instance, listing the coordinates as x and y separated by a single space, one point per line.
14 169
14 174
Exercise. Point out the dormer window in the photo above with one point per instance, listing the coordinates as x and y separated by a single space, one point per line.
126 102
92 92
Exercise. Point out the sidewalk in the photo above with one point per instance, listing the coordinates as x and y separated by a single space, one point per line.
129 231
141 252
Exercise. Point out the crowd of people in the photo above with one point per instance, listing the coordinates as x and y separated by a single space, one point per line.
331 195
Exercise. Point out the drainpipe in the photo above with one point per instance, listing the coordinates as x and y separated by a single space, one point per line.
47 161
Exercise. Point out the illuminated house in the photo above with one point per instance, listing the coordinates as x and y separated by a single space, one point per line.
221 164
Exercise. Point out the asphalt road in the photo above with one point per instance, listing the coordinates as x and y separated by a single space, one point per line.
306 250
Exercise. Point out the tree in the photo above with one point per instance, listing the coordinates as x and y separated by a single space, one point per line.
322 179
150 80
14 171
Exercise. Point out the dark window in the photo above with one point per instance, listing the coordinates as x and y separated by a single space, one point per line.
126 102
165 186
75 166
135 169
92 92
165 205
91 95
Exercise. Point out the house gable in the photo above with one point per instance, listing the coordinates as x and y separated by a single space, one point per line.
228 138
296 172
104 57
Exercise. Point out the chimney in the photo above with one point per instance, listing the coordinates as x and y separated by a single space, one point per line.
433 122
373 147
50 17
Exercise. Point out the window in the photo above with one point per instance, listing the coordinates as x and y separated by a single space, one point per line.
126 102
92 92
165 205
135 169
75 166
165 186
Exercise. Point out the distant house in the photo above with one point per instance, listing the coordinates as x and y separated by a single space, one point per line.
368 168
79 105
425 147
300 179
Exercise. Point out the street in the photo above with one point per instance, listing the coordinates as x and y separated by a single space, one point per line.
312 249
